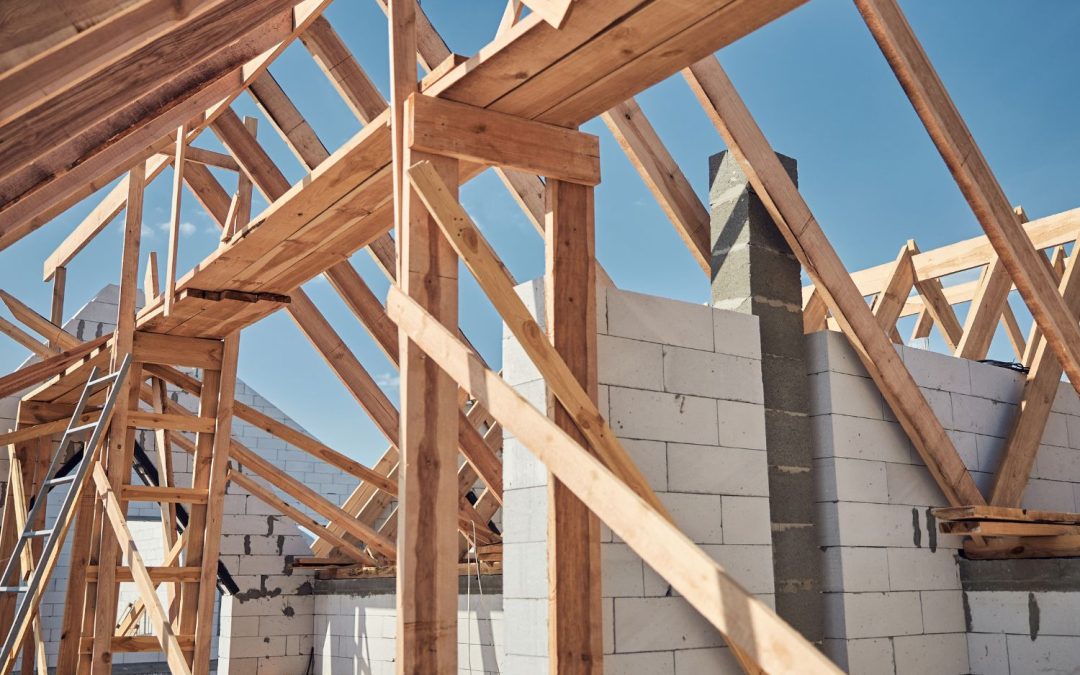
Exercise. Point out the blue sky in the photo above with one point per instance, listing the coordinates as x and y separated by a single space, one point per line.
814 80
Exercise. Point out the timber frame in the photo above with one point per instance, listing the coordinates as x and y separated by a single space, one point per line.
514 107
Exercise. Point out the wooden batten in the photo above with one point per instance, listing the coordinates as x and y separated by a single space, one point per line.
175 350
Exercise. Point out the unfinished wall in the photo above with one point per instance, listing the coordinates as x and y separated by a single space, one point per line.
681 386
894 598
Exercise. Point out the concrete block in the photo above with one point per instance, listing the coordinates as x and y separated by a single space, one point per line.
861 438
698 373
982 415
1048 495
714 660
990 449
630 363
521 468
1047 654
1000 384
999 612
882 614
841 394
1055 463
878 525
738 334
655 624
852 480
855 569
651 460
525 573
715 470
1057 613
938 371
526 626
661 416
967 447
870 656
912 569
987 654
750 565
943 612
741 425
653 319
660 663
525 515
698 516
1056 431
944 654
831 351
912 484
939 401
622 572
746 520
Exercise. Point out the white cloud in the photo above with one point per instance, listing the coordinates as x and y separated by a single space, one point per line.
388 379
186 229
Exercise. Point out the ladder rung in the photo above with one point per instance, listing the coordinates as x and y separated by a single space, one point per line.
102 380
30 534
82 427
70 478
14 589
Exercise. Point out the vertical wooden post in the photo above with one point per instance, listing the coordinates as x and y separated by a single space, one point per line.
574 621
117 455
427 493
215 509
174 222
57 313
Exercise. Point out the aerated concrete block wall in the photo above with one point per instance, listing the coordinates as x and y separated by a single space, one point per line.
356 621
894 599
681 386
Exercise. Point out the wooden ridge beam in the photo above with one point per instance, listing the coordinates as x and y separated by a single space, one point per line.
806 238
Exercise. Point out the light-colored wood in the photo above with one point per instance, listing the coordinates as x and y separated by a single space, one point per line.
511 14
158 574
938 308
153 493
117 455
1013 332
1057 263
172 558
985 311
995 528
153 420
802 232
663 177
745 621
174 218
498 285
1002 548
477 135
269 498
331 54
215 511
890 302
34 646
159 620
1006 513
151 279
25 339
1040 391
136 644
975 179
177 350
38 323
575 630
56 313
211 157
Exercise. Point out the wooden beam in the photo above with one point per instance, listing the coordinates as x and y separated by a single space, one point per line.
975 179
819 259
477 135
25 339
1013 332
663 177
553 11
890 301
575 632
985 311
1040 390
744 620
174 218
350 80
37 322
1004 548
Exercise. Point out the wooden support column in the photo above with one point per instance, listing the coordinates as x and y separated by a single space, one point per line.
427 492
117 455
574 621
890 302
56 315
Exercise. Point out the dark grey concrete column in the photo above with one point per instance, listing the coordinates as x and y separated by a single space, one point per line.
755 272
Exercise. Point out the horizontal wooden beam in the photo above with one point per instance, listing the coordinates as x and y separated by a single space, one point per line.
176 350
153 420
153 493
478 135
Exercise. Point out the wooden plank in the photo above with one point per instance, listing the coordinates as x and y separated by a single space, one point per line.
1005 513
663 177
212 157
1007 529
158 574
985 311
350 80
890 301
151 279
56 313
1013 332
163 630
819 259
215 511
575 632
477 135
152 420
1057 263
294 129
498 285
938 308
302 519
815 314
975 179
1040 391
153 493
25 339
1002 548
175 350
745 621
37 322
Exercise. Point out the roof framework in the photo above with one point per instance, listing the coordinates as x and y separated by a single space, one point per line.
132 84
